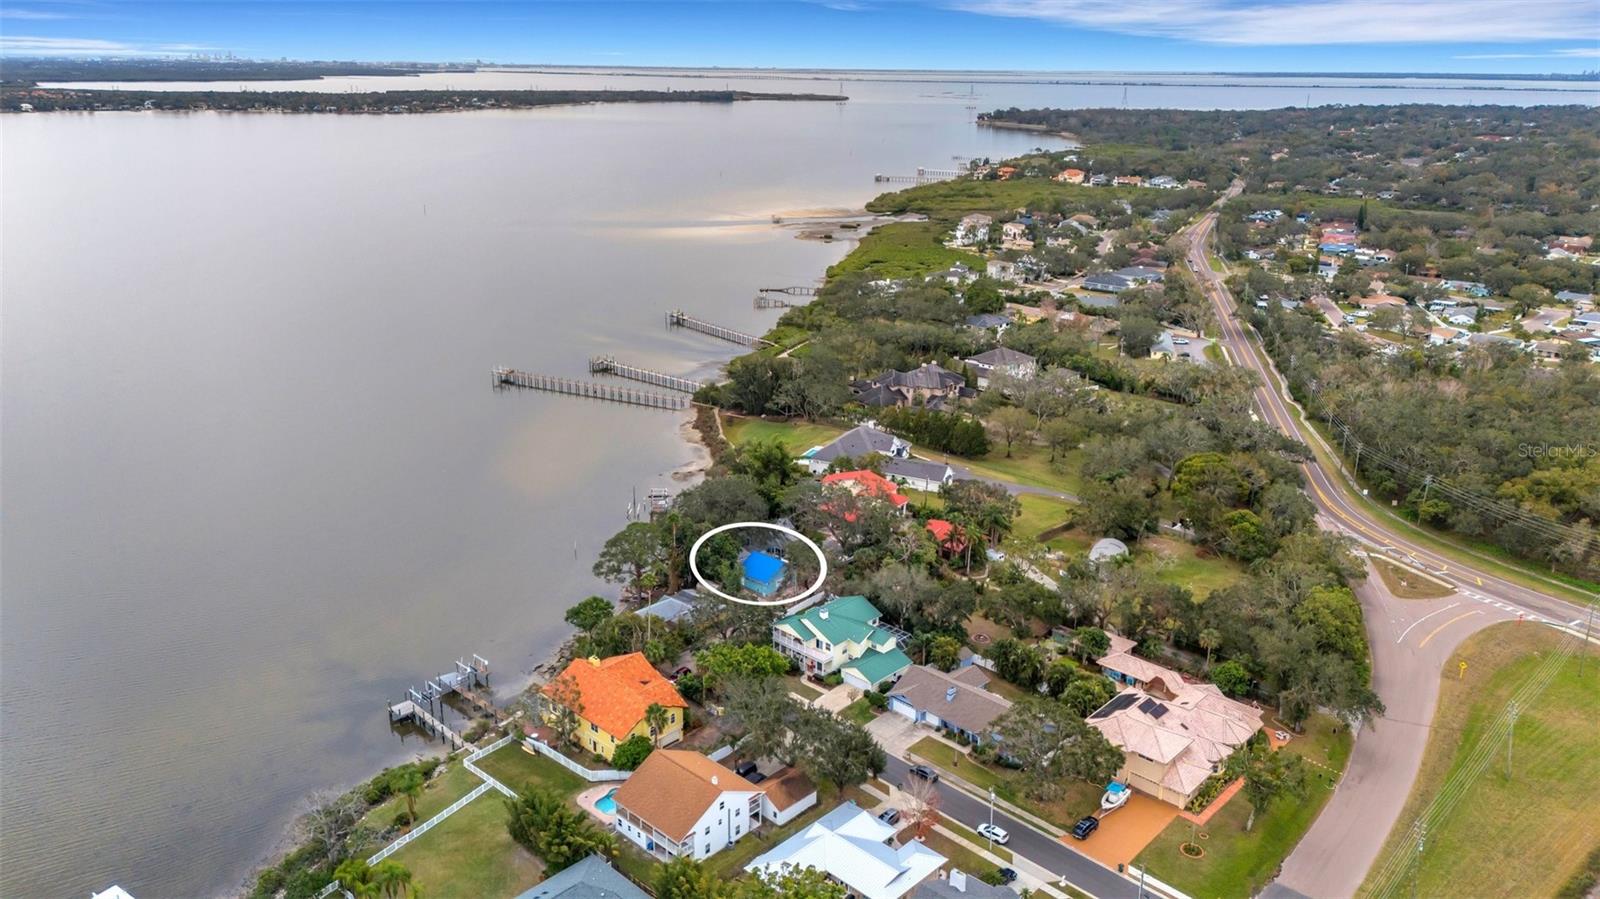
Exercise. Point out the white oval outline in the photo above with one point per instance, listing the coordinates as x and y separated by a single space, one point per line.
694 567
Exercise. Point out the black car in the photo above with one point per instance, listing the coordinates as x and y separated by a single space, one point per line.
1085 826
1006 875
756 778
889 816
924 772
745 769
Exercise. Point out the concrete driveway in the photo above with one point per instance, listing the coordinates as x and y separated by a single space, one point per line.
836 699
1124 833
896 733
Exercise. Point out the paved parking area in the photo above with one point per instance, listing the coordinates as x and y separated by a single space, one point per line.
895 733
836 699
1125 832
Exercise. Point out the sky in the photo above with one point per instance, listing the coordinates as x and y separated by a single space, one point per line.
1511 36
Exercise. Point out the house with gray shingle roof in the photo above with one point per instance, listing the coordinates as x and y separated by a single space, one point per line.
919 474
958 701
591 878
862 441
1002 359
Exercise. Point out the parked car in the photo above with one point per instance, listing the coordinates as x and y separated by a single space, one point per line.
745 769
994 832
1085 826
756 778
681 672
924 772
889 816
1180 341
1007 875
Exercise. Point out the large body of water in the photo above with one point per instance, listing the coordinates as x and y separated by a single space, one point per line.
255 479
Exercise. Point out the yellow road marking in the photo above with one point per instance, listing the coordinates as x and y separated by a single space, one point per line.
1447 624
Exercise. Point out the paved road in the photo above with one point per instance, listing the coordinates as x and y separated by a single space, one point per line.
1040 848
1411 639
1348 515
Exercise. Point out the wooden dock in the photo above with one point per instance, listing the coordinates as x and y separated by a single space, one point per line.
768 301
791 291
610 366
408 710
679 319
421 705
510 377
923 176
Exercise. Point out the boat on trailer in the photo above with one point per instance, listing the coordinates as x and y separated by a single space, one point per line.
1115 797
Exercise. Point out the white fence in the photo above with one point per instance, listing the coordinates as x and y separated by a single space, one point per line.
574 767
488 784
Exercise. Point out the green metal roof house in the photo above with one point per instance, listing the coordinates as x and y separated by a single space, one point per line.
844 635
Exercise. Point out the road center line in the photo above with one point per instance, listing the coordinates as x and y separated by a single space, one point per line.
1435 631
1424 618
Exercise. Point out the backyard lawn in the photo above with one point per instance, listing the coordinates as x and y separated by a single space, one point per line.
454 782
1239 862
859 711
471 855
1028 465
1522 836
1039 514
516 768
799 686
1180 562
798 436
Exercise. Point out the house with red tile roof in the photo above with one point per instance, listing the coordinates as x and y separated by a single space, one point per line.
611 697
864 482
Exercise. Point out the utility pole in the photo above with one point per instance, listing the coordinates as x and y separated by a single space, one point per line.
1511 735
1588 627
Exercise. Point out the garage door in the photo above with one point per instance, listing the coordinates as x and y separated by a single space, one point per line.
897 704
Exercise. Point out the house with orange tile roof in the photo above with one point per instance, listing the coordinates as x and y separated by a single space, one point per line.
1070 176
612 696
1173 734
946 536
866 482
681 803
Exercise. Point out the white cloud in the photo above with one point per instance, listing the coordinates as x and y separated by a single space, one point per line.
1567 53
1295 22
31 15
22 45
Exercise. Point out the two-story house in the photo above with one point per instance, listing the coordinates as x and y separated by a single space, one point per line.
845 635
1002 360
864 440
681 803
611 697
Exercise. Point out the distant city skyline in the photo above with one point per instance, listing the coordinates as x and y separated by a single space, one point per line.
1444 36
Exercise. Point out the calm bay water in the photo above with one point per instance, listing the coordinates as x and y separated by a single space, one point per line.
255 479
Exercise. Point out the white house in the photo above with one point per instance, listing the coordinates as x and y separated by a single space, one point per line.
681 803
1002 359
919 474
851 846
973 229
1001 270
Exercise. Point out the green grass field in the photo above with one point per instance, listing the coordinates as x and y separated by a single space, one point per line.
1039 514
1028 465
455 782
471 855
798 436
516 767
904 250
1407 584
950 200
859 711
1523 835
1180 562
1239 862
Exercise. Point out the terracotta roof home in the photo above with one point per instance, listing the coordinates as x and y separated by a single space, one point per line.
1378 300
1070 176
613 695
869 483
681 803
1173 734
944 534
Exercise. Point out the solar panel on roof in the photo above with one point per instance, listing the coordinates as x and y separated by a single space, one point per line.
1148 705
1117 704
1158 711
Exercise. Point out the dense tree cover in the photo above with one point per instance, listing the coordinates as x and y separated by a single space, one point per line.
1468 157
369 103
1516 440
632 752
824 746
1049 741
546 824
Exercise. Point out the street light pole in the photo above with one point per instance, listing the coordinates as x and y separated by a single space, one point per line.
1588 628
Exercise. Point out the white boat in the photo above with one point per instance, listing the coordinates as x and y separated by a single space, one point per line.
1116 795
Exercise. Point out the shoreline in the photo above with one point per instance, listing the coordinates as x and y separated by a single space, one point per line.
1035 129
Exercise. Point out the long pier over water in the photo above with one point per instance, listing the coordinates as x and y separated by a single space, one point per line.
510 377
610 366
680 319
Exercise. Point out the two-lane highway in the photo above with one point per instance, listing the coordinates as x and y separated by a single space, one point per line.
1326 493
1040 848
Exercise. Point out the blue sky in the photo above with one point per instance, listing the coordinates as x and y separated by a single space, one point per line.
1077 35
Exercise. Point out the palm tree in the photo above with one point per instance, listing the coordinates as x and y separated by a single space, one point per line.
656 717
1209 639
355 877
410 785
392 879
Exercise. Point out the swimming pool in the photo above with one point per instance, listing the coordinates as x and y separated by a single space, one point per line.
608 802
